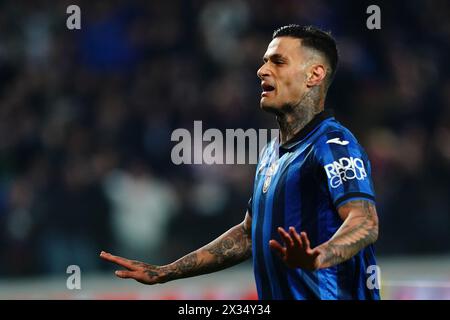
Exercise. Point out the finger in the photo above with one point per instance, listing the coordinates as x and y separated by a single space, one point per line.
296 237
305 240
125 274
286 237
117 260
276 246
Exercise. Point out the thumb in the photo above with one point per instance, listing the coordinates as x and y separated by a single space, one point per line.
124 274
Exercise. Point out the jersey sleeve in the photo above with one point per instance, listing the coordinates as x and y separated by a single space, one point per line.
345 166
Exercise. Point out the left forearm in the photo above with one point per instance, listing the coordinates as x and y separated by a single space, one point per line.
359 230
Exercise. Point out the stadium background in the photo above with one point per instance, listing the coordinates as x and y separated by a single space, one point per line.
86 118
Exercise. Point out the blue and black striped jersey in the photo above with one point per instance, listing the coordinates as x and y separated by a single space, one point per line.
302 183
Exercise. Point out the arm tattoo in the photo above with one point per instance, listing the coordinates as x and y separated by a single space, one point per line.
358 231
231 248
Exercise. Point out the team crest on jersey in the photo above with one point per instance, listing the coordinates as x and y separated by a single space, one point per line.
266 183
269 173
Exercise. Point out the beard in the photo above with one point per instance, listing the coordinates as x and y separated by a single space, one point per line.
281 110
272 109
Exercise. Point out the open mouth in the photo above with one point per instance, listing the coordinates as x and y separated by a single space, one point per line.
267 88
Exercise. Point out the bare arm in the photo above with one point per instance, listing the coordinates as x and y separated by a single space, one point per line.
231 248
360 228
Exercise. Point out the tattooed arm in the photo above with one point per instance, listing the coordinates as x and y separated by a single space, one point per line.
231 248
360 228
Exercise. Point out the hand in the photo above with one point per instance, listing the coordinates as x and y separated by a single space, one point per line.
139 271
297 253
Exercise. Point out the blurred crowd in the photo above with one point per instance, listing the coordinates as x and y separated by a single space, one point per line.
86 118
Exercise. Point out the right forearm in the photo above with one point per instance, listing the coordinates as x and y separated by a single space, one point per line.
231 248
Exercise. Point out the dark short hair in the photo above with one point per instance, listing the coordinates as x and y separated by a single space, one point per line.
314 38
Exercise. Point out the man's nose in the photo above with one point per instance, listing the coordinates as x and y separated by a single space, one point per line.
262 72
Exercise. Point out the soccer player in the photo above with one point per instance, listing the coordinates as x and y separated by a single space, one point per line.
311 220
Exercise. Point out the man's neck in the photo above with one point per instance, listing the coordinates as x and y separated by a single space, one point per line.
295 117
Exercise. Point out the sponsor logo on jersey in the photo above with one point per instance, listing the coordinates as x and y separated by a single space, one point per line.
345 169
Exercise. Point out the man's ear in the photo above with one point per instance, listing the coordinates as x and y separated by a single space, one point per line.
316 76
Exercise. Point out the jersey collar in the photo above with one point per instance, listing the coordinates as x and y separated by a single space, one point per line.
310 126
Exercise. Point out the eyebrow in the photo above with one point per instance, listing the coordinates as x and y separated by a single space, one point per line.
275 56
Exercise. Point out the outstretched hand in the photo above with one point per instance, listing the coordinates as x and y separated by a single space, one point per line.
297 252
139 271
